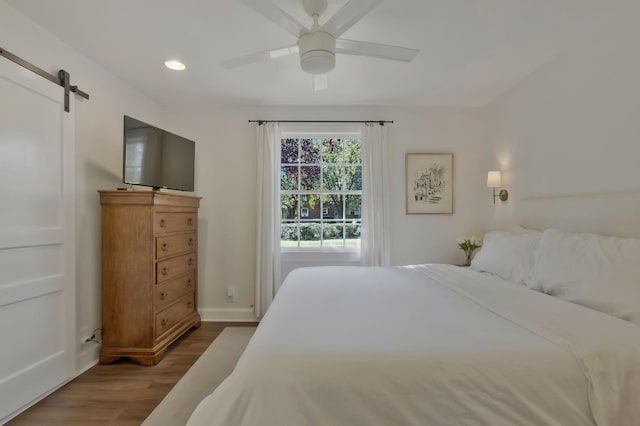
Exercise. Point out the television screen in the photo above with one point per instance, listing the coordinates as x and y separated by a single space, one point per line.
157 158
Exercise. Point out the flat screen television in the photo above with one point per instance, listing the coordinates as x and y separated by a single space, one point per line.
157 158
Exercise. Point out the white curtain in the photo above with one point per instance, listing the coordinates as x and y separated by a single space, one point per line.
268 220
375 196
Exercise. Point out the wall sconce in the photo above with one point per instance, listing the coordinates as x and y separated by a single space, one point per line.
494 180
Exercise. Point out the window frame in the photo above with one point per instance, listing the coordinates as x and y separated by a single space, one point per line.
321 130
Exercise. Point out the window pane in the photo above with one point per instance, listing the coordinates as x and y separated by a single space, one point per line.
332 151
333 234
310 234
310 206
353 178
332 178
352 234
288 235
352 229
309 178
289 151
333 204
354 206
289 206
353 151
289 178
310 151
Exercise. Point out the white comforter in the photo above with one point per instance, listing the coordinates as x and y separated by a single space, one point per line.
428 345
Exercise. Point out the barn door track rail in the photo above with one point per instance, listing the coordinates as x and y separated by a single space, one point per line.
62 79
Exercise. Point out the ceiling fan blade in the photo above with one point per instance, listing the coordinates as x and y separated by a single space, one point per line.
269 10
260 56
320 82
350 13
383 51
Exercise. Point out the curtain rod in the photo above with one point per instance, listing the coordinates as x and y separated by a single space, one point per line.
381 122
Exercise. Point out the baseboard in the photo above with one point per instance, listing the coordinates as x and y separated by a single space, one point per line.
31 403
87 357
86 367
228 314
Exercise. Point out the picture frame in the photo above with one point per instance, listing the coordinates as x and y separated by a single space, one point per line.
429 183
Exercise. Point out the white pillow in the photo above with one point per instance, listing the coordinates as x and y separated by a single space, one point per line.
518 229
602 273
508 255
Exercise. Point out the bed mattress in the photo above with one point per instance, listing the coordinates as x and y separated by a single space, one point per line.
428 345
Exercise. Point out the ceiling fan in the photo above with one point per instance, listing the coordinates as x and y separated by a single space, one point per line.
318 45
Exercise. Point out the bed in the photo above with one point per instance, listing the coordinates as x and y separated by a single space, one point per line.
538 344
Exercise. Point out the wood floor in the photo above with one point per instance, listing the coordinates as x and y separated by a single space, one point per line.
123 393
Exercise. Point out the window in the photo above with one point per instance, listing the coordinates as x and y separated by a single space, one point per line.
321 192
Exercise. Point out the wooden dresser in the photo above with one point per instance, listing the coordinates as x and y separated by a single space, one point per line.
149 273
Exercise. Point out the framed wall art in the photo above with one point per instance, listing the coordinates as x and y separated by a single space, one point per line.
429 183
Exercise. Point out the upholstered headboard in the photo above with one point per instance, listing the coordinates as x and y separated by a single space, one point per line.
615 214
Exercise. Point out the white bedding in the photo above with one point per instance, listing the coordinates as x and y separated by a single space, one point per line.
428 345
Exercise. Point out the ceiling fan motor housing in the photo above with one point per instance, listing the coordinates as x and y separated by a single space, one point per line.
317 52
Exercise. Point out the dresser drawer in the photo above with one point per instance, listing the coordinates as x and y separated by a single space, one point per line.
174 222
171 268
175 244
167 293
173 314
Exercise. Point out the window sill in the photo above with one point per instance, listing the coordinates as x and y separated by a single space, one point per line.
303 255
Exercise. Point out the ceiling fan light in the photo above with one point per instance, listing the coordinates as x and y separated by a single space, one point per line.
317 52
318 62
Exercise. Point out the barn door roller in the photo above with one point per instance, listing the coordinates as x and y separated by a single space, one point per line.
62 79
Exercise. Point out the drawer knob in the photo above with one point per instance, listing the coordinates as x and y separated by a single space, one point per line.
164 321
163 295
190 262
164 247
189 283
189 305
190 242
165 271
163 223
190 222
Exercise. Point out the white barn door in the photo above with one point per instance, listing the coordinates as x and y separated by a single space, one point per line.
37 255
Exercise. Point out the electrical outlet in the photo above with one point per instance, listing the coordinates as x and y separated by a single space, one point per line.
231 295
93 338
86 332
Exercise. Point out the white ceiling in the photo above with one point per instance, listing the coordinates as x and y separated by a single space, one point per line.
470 50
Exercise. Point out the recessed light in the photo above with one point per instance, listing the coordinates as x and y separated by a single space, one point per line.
175 65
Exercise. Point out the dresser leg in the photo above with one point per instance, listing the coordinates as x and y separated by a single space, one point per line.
148 360
105 360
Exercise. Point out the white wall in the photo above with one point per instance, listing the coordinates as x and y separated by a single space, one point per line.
570 127
574 125
226 179
98 137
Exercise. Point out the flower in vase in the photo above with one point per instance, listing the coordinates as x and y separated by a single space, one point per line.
469 245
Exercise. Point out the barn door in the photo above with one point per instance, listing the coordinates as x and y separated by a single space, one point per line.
37 255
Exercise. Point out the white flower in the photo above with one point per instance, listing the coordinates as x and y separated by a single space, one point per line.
469 244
